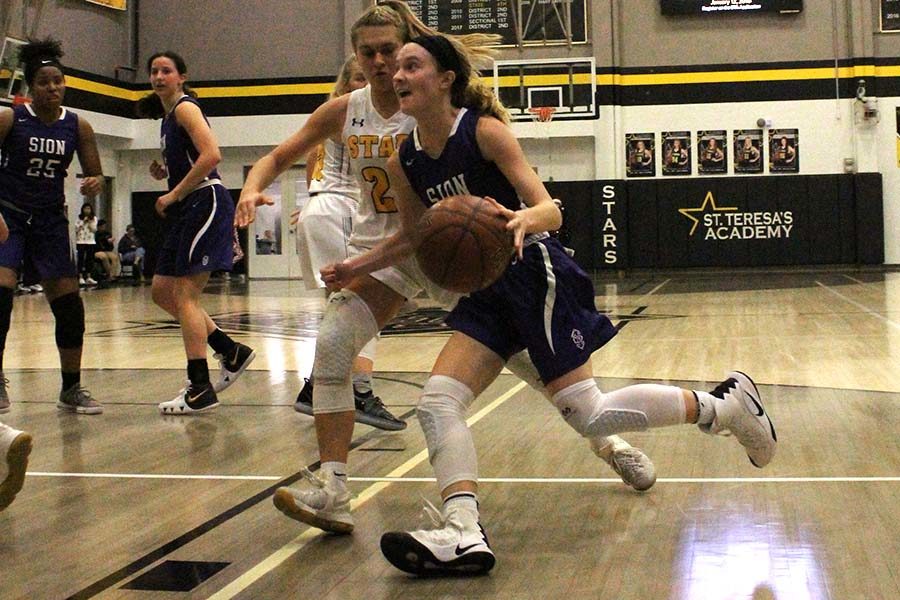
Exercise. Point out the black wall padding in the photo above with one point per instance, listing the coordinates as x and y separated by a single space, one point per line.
869 218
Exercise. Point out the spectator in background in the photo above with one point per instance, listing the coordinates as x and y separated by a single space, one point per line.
132 251
106 251
85 228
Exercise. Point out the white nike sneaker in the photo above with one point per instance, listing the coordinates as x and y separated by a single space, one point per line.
739 410
630 463
191 400
326 504
456 546
15 446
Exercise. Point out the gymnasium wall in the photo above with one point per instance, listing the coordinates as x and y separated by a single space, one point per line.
94 38
240 40
261 72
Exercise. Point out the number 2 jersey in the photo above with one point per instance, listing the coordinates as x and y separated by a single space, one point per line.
370 140
34 159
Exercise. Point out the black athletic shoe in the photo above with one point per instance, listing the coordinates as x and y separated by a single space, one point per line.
232 366
304 398
371 411
369 408
192 399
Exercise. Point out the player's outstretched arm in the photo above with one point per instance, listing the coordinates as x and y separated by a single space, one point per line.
325 122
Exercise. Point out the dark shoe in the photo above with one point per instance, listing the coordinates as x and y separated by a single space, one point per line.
304 398
76 399
371 411
369 408
192 399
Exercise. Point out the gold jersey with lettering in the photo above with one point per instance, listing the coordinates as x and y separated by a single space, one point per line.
370 140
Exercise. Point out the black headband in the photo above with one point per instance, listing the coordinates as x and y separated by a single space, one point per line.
444 53
31 68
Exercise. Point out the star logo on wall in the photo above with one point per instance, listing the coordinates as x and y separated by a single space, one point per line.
710 201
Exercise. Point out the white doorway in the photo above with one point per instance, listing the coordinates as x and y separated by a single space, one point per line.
271 240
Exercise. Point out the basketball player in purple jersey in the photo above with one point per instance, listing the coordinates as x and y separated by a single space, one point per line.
200 216
371 125
37 143
543 302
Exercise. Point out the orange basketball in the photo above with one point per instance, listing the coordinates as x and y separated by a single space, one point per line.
463 244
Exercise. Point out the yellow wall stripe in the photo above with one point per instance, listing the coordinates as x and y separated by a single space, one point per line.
608 79
293 89
104 89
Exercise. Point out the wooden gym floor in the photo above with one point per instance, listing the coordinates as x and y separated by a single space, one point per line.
130 504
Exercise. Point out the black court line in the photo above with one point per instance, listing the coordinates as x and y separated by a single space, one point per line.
154 555
625 321
638 286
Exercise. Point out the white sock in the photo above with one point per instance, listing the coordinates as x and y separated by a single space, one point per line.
337 469
464 500
706 408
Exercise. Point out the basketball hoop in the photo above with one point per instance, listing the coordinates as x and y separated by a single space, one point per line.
19 99
542 114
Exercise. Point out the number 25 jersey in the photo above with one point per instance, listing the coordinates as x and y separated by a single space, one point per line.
35 157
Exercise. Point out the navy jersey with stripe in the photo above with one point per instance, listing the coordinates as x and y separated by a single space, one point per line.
460 169
35 157
543 302
179 152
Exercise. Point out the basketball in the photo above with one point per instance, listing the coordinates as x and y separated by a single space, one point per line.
463 244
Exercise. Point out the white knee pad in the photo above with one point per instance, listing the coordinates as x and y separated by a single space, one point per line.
347 326
442 416
634 408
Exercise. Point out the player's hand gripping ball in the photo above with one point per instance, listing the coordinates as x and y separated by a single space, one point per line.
463 244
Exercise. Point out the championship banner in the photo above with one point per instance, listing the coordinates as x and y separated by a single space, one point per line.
116 4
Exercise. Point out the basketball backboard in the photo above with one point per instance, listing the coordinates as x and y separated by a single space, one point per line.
569 85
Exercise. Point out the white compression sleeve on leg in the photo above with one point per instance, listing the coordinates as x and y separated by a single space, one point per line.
634 408
442 416
520 365
347 326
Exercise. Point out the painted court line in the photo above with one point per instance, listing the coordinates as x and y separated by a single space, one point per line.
556 480
396 476
157 476
279 556
862 307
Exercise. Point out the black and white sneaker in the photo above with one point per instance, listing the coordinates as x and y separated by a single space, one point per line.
739 410
191 400
232 366
369 408
303 403
456 546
